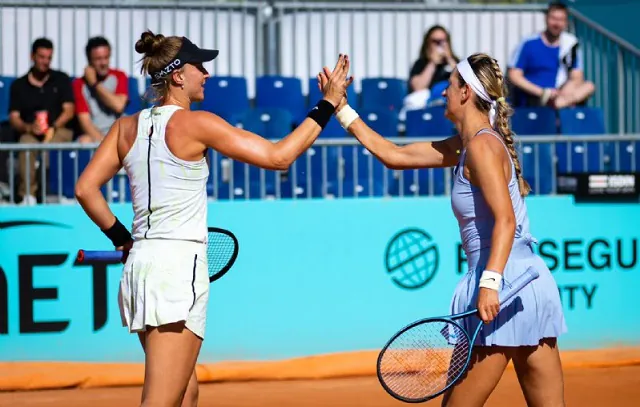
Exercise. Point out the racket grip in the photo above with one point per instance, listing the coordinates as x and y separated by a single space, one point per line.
518 284
98 255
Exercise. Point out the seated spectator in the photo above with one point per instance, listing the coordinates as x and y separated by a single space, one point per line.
547 68
434 65
435 62
40 110
101 95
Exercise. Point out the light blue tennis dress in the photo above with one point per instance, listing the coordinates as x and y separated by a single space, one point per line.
536 311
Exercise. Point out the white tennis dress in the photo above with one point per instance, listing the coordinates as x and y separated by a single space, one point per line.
165 278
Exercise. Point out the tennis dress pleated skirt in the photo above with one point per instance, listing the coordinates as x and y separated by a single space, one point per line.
531 315
165 281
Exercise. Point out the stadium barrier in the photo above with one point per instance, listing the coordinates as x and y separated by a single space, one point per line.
613 65
333 168
318 287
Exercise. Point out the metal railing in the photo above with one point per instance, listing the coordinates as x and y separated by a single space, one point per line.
614 66
296 39
331 168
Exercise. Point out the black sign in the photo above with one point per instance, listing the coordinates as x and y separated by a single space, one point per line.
600 186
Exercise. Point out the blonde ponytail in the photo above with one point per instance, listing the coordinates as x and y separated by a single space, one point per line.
502 126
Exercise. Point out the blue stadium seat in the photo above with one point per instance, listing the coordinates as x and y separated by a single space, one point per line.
537 158
64 161
226 96
5 87
315 95
428 122
584 156
582 120
629 156
135 98
364 174
115 194
435 94
540 121
313 178
274 91
271 123
382 93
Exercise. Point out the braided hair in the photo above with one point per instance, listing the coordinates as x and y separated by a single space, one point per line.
490 75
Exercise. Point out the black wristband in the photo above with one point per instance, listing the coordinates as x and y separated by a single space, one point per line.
118 234
322 112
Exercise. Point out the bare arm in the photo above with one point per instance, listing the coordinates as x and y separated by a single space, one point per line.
103 166
516 76
442 153
15 106
68 110
250 148
576 76
115 102
18 124
422 80
487 173
88 127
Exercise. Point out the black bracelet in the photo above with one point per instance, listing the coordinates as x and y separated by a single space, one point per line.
322 112
118 234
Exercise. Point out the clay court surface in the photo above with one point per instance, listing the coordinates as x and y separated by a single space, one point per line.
612 386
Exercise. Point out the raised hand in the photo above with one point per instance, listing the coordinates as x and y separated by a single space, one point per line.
334 84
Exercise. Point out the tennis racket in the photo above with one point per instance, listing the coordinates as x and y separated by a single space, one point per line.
425 358
222 251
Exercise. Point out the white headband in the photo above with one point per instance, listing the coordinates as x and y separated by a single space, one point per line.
472 80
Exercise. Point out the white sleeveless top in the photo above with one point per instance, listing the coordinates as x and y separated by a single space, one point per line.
169 194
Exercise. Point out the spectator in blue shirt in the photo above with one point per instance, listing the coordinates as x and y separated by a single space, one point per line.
547 68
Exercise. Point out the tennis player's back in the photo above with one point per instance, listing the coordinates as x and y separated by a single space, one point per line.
169 194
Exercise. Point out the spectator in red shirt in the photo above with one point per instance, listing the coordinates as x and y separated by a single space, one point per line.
101 95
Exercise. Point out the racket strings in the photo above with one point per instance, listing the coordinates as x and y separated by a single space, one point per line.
422 361
220 250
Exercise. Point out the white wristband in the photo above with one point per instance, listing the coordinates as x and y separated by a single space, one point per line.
490 279
346 116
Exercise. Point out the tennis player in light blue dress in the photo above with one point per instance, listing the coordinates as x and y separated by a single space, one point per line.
488 202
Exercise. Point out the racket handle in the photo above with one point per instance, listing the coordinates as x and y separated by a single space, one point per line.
98 255
518 284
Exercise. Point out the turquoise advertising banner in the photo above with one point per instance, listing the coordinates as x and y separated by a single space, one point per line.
311 277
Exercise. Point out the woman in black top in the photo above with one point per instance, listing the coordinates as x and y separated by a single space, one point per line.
436 61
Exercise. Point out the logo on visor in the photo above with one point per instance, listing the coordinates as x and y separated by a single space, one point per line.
167 69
